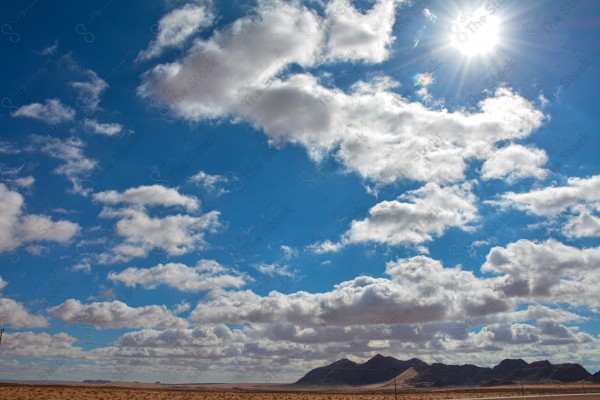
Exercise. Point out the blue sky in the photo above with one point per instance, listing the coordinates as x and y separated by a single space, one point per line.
199 191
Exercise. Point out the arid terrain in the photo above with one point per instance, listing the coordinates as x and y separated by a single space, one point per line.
123 391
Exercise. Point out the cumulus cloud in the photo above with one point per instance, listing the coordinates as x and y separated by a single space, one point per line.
515 162
578 200
420 290
117 315
550 201
175 234
376 133
353 35
206 275
14 315
52 112
153 195
75 167
547 271
547 333
185 338
108 129
395 139
583 224
213 75
175 28
42 345
17 228
416 217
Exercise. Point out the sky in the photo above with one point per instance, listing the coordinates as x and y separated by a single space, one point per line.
197 191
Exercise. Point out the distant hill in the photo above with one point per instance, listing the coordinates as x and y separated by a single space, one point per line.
380 369
595 377
346 372
96 381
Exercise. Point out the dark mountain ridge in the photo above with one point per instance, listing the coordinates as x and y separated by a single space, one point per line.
382 369
346 372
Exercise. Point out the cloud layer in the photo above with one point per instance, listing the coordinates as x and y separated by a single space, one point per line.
17 227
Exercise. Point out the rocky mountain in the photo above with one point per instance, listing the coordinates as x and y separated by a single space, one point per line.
438 374
346 372
382 369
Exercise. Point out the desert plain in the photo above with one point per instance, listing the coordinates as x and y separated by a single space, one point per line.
141 391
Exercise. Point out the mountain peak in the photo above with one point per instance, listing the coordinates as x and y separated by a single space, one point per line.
382 368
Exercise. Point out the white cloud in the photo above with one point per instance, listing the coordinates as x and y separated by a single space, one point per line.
275 269
117 315
11 176
83 267
52 112
181 307
578 201
8 148
153 195
176 27
547 332
288 252
381 135
420 290
352 35
515 162
548 271
108 129
14 315
17 228
216 73
551 201
416 217
376 133
379 83
214 183
175 234
207 275
50 49
422 81
90 91
326 246
42 345
25 181
76 166
429 15
583 224
211 342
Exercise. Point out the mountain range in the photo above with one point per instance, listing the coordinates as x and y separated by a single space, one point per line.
415 372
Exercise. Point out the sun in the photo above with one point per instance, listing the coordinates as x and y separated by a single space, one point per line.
474 32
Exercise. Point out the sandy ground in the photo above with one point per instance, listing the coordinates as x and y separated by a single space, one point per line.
123 391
